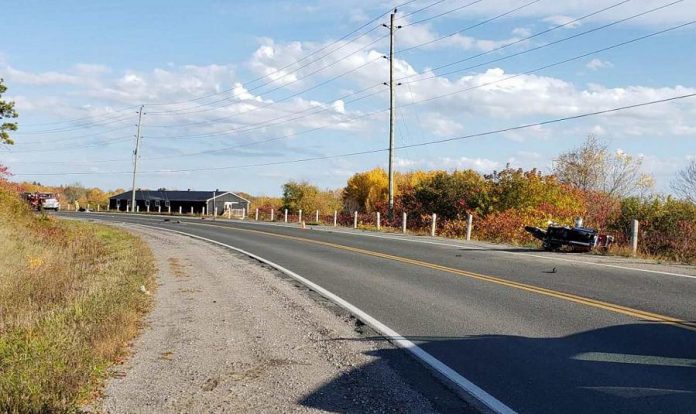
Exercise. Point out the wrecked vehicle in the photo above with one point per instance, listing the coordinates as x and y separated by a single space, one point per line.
579 239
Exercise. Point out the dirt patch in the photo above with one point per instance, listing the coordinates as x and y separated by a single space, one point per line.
228 335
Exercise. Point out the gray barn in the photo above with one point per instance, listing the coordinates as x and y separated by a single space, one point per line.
189 201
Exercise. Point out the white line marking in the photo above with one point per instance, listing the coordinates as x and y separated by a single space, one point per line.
401 238
469 387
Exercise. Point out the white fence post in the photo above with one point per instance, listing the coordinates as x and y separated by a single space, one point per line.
299 218
257 215
147 208
229 214
469 222
335 218
169 209
634 237
272 215
88 206
355 220
159 209
316 217
379 222
98 207
403 222
244 211
432 229
286 215
191 210
179 210
215 212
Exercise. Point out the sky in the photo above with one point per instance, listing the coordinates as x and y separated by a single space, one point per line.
246 95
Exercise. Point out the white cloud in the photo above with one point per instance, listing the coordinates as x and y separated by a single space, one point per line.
559 20
596 64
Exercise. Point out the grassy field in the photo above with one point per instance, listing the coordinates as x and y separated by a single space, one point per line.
70 302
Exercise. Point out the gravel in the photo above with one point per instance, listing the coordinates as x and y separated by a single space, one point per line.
228 334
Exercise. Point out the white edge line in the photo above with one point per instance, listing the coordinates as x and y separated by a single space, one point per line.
469 387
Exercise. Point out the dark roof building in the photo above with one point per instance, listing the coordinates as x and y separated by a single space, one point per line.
185 202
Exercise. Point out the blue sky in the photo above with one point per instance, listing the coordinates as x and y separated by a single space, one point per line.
77 71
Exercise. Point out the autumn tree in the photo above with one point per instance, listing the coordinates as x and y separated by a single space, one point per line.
299 196
452 195
684 185
593 167
6 112
366 190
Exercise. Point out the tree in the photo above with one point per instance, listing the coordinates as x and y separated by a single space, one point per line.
685 182
6 111
365 190
300 196
452 195
593 167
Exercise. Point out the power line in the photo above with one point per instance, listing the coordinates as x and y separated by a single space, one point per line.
558 63
374 151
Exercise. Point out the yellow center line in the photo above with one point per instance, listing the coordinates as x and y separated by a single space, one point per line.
624 310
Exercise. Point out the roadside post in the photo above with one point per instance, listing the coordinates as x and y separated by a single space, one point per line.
179 210
98 208
229 214
403 222
379 222
204 210
191 210
355 220
215 213
469 222
286 215
243 213
137 209
147 208
169 209
434 226
634 237
299 219
335 218
316 217
256 217
88 208
159 209
272 215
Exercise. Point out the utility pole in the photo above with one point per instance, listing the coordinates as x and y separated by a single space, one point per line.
135 156
392 110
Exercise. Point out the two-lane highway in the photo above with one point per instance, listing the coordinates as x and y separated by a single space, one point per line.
581 339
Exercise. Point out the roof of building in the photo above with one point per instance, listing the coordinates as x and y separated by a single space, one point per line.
173 195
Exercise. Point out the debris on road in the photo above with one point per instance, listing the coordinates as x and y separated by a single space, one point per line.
579 239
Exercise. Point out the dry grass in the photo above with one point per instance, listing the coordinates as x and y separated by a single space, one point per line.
70 302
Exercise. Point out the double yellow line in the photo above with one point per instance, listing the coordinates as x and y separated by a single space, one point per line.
624 310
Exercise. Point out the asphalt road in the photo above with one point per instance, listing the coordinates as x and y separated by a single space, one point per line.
581 339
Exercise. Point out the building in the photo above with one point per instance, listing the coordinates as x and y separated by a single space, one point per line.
188 202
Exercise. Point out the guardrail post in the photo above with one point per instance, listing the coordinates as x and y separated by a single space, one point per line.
137 209
214 212
299 218
316 217
272 215
257 215
335 218
432 229
634 237
286 215
469 222
147 208
179 210
355 220
159 209
379 222
98 208
169 209
243 213
404 216
191 210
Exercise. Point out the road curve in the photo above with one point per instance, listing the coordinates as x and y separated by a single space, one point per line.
581 339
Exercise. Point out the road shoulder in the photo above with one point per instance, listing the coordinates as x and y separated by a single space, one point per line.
230 335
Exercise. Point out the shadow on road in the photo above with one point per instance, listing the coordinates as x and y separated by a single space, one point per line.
635 368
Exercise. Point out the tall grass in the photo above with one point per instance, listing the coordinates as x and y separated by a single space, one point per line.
70 302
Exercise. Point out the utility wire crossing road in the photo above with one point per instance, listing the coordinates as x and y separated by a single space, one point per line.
582 339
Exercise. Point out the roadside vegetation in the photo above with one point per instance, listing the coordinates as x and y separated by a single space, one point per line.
70 302
607 189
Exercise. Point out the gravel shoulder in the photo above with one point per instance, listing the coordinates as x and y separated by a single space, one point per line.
228 334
